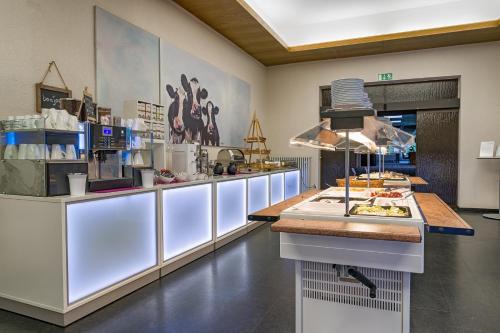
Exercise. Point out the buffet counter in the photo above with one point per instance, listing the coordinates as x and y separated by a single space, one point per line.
64 257
353 273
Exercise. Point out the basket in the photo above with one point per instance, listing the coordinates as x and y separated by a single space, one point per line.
375 183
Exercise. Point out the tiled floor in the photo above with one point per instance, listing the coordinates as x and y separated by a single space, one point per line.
246 287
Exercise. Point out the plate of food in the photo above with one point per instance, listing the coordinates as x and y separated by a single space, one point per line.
383 211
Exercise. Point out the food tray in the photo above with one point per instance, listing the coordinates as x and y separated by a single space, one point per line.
406 209
336 199
383 178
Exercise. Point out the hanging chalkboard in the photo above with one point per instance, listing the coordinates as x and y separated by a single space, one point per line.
48 97
88 109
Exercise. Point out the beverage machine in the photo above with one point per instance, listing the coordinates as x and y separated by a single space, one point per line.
106 147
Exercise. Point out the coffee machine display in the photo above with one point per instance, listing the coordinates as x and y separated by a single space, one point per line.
106 146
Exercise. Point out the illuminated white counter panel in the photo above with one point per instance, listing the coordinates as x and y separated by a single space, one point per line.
231 205
258 193
277 187
109 241
292 184
62 258
187 218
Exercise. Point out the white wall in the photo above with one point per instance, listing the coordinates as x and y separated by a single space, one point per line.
286 98
34 32
293 104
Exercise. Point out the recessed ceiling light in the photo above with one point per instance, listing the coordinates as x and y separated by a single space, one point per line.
302 22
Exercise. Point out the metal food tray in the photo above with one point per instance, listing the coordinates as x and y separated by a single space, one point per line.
339 199
405 208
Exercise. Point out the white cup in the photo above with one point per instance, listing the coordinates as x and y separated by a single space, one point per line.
73 123
57 152
147 176
9 124
62 120
70 152
10 152
138 158
38 121
33 152
23 151
77 184
28 122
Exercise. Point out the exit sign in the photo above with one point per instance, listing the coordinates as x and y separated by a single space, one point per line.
385 77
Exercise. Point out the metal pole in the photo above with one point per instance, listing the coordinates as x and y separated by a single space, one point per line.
368 173
347 174
379 165
383 163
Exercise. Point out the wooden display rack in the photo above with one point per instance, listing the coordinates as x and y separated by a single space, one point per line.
255 137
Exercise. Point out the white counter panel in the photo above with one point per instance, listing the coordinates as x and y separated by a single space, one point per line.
277 188
108 241
231 206
292 184
187 219
258 193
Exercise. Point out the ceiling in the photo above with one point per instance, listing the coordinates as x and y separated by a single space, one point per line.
273 32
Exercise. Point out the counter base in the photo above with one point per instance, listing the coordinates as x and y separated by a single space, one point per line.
329 300
203 250
64 319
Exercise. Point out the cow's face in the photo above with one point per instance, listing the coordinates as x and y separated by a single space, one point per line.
176 108
210 111
194 95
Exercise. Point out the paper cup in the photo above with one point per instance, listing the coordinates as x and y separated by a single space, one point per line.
77 184
147 176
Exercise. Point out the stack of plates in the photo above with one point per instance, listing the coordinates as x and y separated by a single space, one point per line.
350 94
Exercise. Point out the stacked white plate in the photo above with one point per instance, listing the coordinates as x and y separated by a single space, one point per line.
350 94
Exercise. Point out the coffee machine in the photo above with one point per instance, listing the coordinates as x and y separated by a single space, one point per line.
105 147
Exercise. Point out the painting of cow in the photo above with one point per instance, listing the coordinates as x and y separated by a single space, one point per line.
176 114
192 118
185 112
210 133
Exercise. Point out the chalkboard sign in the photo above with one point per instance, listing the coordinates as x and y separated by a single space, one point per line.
89 108
48 97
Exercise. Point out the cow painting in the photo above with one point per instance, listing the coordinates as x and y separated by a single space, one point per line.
186 112
210 133
192 119
176 112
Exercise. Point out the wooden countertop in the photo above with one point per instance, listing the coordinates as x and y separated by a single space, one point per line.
272 213
417 181
439 217
374 231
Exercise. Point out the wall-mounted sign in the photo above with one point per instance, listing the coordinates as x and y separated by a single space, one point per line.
385 77
47 97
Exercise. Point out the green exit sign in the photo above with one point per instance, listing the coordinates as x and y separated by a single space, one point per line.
385 77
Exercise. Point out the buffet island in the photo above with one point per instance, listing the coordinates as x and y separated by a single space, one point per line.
353 271
63 257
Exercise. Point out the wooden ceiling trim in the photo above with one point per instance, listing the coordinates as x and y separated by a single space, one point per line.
495 24
236 21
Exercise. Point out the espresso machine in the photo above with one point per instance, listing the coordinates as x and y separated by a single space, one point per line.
105 147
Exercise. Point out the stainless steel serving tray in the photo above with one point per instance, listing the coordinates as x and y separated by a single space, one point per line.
406 210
